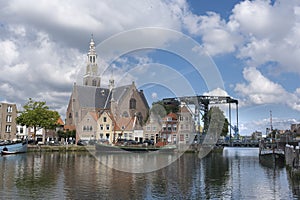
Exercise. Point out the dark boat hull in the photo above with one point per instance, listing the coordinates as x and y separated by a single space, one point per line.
124 149
272 159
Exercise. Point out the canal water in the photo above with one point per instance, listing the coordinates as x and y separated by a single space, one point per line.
234 174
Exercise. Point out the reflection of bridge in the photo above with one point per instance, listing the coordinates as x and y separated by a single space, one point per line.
201 106
238 143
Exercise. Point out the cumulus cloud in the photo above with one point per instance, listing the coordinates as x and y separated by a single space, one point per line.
43 46
261 90
270 33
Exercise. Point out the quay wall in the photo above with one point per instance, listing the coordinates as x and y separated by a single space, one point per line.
292 159
65 148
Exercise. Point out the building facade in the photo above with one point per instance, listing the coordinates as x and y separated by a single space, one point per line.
8 124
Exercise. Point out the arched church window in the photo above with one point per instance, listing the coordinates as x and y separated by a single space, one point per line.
94 82
132 103
94 59
70 115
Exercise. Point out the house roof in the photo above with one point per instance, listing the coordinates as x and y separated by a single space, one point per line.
94 115
60 121
173 115
125 123
184 109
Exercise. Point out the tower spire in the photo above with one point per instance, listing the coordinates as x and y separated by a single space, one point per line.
91 77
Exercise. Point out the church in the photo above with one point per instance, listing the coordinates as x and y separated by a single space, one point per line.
105 113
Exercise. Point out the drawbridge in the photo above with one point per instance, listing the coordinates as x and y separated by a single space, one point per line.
199 106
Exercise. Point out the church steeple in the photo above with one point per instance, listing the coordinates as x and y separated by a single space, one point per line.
91 77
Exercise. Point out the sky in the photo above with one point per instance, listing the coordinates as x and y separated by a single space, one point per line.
253 46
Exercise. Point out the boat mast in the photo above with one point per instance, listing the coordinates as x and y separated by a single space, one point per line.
271 121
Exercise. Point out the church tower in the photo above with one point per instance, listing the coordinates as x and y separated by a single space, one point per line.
91 77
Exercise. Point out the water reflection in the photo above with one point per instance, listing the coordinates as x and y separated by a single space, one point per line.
235 174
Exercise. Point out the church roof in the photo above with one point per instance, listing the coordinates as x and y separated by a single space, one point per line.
93 97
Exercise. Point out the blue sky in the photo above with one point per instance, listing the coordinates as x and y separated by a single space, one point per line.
254 45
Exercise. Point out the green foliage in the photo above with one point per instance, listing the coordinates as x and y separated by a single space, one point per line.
218 115
169 106
67 134
37 114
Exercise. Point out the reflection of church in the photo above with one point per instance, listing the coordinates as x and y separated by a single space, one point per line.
105 113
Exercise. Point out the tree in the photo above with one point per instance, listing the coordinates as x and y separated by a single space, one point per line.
36 114
218 115
169 105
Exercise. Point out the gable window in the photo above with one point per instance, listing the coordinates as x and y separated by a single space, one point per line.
132 103
8 128
101 127
8 118
9 109
104 119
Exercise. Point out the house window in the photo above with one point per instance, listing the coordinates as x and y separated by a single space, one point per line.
101 127
70 115
104 119
101 135
169 119
148 128
107 127
84 128
154 128
132 103
169 127
107 135
174 127
8 128
9 109
8 118
181 118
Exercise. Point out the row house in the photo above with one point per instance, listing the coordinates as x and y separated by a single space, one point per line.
102 126
174 128
8 124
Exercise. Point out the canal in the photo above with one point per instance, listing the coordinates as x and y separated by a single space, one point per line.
234 174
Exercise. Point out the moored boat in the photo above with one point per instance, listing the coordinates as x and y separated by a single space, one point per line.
271 156
13 148
101 147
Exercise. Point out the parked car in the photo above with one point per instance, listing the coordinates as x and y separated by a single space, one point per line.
149 142
82 143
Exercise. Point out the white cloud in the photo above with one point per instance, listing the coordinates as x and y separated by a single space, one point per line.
8 52
247 128
270 33
216 92
260 90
